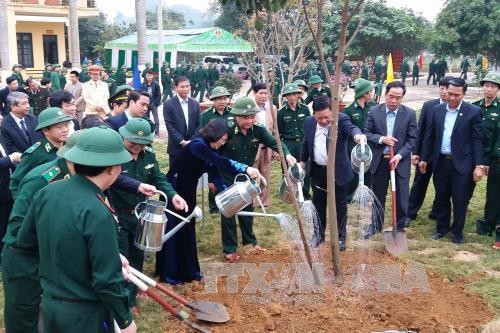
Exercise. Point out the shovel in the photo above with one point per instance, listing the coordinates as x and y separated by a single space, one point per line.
181 315
395 241
204 310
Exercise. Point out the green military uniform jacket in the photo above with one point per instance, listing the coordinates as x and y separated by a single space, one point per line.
180 71
39 101
364 72
19 78
212 113
34 181
62 80
166 80
213 76
243 148
145 169
358 117
84 77
56 81
201 76
79 257
40 153
119 77
291 122
313 93
46 74
111 85
416 70
404 69
491 129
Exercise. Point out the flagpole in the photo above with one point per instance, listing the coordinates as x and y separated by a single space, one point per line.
161 56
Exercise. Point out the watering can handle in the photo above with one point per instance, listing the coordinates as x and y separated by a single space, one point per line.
137 207
241 174
162 194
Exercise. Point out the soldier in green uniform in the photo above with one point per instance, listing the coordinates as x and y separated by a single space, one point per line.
21 283
230 69
404 69
358 112
220 97
54 124
109 81
464 67
242 147
84 74
415 73
47 71
316 89
166 80
200 78
364 71
180 70
120 77
144 167
112 73
378 70
145 70
213 76
62 77
432 72
329 65
303 88
74 231
276 90
490 106
346 68
55 77
16 72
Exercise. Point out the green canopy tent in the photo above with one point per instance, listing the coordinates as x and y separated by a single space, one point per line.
121 51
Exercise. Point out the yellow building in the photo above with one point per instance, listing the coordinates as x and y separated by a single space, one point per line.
40 34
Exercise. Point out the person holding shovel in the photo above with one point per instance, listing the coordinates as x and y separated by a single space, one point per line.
144 166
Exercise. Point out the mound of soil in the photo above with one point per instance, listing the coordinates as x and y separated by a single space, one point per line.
378 293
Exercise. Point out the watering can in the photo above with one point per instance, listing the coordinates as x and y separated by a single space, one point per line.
152 222
238 196
289 191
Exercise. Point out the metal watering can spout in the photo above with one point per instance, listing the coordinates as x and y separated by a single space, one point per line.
197 214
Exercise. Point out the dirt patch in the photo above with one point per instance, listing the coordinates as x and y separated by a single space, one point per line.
466 256
373 297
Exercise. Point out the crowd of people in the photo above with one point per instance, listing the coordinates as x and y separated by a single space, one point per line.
76 158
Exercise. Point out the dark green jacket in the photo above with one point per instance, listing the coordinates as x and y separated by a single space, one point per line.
291 122
313 93
212 113
491 129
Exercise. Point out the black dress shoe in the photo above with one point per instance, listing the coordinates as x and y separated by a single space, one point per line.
457 239
408 222
432 216
369 233
342 245
437 235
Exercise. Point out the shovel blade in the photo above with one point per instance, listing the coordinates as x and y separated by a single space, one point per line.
395 242
211 311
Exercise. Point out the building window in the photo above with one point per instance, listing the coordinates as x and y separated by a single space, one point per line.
50 54
25 49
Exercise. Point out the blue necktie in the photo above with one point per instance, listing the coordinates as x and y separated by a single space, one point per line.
25 131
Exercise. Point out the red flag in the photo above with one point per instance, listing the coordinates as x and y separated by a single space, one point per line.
420 61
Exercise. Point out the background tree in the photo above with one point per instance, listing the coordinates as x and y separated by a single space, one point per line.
172 19
468 27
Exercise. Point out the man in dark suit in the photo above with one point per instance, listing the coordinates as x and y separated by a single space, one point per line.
12 85
153 89
391 124
453 142
314 148
7 163
182 117
18 127
421 181
138 104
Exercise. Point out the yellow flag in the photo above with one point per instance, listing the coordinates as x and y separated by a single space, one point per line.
390 71
484 63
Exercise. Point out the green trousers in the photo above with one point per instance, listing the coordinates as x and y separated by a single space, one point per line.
491 221
135 256
61 316
229 232
22 291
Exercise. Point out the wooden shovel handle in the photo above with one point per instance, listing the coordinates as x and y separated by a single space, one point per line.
393 186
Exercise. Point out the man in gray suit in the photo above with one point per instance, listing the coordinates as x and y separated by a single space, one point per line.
74 86
391 124
182 117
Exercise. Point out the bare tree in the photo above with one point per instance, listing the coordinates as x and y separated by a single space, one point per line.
4 40
74 37
140 18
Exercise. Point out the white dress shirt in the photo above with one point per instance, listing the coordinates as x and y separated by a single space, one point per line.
185 109
320 153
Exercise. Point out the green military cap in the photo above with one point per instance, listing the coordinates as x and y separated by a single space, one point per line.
361 87
137 130
118 96
123 87
48 65
491 77
16 65
315 79
103 69
124 67
64 70
69 143
85 66
55 65
98 146
114 68
291 88
147 64
51 116
230 64
218 92
244 106
301 83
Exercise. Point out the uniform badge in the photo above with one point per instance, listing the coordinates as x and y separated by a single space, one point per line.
48 147
149 166
140 133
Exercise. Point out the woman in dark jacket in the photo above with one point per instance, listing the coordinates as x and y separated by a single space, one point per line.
178 260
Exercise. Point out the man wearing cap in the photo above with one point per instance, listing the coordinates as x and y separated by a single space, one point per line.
421 180
404 69
12 85
230 68
74 86
220 97
166 80
432 72
16 72
145 70
415 73
144 167
108 80
364 71
112 73
55 77
47 71
120 76
213 75
84 74
378 70
81 268
464 67
490 106
118 102
303 88
37 95
316 89
242 147
358 112
95 92
54 125
154 91
201 77
137 107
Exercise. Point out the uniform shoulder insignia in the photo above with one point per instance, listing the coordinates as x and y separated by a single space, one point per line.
51 173
149 149
33 148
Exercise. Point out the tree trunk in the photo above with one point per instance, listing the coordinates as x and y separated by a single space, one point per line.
161 56
74 37
140 18
4 40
